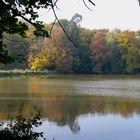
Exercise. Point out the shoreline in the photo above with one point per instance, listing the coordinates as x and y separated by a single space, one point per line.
26 72
4 73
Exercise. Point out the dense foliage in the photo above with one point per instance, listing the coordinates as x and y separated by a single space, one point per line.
21 129
96 51
27 10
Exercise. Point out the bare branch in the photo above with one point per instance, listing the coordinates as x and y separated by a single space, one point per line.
139 2
52 27
87 5
92 2
55 3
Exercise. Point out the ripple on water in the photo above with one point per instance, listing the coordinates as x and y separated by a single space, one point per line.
117 88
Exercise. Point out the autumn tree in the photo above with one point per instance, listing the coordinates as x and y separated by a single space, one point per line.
53 53
72 28
58 51
79 50
126 43
99 52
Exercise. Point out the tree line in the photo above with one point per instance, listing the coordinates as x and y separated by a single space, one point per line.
90 51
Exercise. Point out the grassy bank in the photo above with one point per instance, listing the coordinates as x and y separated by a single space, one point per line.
23 72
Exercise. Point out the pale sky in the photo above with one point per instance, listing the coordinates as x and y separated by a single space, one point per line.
122 14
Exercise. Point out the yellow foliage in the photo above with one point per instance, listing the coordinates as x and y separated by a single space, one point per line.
38 63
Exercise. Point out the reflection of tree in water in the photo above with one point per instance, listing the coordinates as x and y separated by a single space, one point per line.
13 93
62 107
74 126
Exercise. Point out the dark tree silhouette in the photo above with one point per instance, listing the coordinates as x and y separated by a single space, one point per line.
11 11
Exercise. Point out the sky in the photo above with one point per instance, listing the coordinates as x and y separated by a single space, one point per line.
111 14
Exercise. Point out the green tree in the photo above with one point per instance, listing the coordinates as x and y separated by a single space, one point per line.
82 61
132 60
18 50
115 60
126 41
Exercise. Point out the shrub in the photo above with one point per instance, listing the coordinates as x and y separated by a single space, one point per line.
21 129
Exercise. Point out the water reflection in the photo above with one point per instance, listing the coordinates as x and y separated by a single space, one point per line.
63 100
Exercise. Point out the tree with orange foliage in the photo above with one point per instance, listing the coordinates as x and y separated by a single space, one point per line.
99 52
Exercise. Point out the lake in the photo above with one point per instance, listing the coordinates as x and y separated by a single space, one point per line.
76 107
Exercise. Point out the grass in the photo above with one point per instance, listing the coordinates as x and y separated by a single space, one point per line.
17 72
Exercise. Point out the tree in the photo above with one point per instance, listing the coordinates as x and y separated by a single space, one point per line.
99 52
27 10
126 39
52 53
126 45
58 50
18 50
72 28
21 129
132 60
82 62
38 62
115 60
11 11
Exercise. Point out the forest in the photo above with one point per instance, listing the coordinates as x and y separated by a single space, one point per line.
97 51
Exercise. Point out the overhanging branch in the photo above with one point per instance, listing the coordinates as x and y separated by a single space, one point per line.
87 5
63 28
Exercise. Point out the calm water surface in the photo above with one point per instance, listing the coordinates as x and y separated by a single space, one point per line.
77 107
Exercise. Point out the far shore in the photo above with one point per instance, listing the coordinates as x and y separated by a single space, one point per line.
27 72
